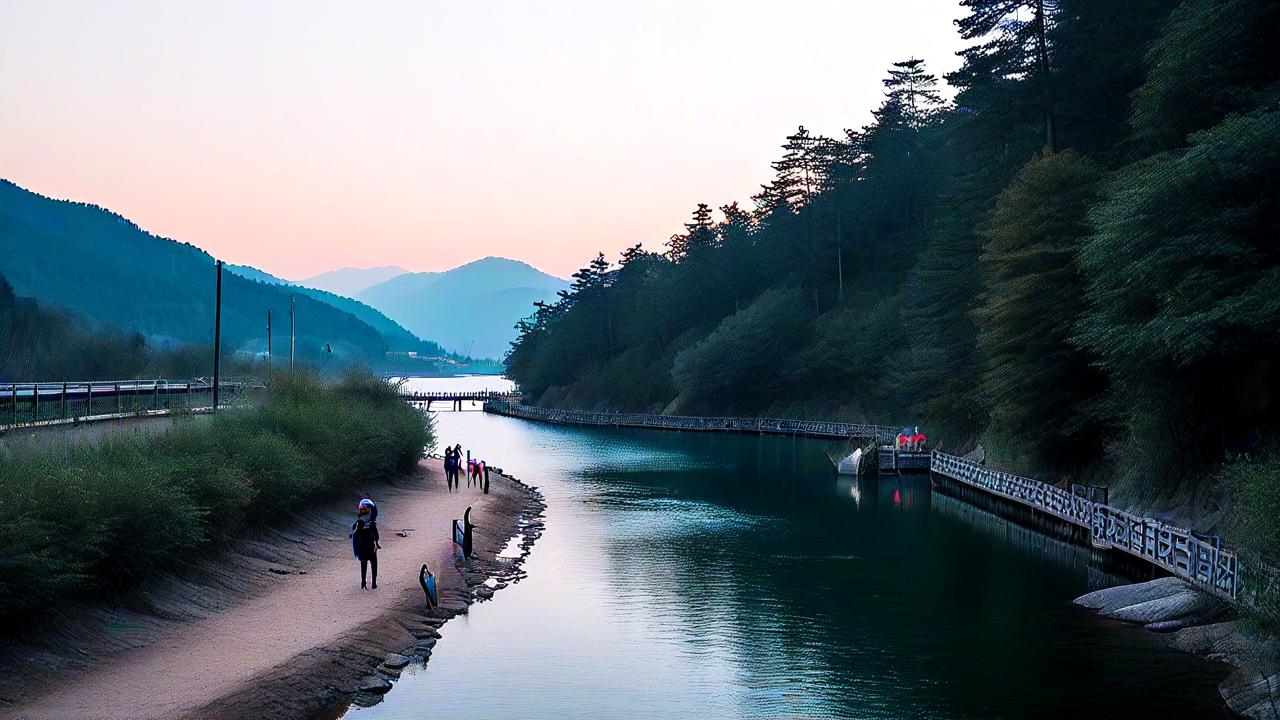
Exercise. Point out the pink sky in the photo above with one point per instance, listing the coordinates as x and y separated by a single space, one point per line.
302 137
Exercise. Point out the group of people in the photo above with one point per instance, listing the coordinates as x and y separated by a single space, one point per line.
365 542
910 439
454 466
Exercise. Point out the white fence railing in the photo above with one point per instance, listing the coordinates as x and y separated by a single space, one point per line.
1202 561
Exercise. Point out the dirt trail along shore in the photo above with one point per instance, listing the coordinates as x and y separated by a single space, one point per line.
304 634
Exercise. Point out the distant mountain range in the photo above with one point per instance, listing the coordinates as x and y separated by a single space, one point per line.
350 282
471 309
111 272
398 338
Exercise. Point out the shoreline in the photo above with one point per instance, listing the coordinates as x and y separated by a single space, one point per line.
1205 623
276 626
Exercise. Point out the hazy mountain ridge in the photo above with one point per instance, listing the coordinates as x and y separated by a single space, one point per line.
350 281
474 306
398 338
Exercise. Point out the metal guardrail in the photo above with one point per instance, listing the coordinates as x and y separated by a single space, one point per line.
35 404
773 426
1200 560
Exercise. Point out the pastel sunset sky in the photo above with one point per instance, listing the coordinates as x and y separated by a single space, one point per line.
300 137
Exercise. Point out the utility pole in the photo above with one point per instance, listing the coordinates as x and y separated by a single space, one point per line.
292 332
268 341
217 336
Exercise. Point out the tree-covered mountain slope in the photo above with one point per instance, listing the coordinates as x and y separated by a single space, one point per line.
106 269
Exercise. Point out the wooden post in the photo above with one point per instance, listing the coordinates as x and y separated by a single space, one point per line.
35 403
293 330
119 401
217 335
14 387
64 401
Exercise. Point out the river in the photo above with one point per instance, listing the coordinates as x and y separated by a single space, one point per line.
725 576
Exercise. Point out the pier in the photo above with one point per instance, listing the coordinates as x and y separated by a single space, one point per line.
892 460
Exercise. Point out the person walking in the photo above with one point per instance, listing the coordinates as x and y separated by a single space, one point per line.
364 542
450 465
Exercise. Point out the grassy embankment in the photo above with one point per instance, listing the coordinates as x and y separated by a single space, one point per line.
96 518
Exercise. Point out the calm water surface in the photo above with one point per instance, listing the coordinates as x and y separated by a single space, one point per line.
724 576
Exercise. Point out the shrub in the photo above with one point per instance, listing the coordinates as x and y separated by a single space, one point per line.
78 519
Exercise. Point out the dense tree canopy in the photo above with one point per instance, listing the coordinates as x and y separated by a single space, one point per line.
1079 252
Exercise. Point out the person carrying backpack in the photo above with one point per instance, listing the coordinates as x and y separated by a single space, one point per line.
364 541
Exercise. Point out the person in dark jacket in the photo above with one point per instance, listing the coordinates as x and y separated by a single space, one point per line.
364 542
450 463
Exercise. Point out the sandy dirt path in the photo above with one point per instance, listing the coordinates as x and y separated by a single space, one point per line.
256 646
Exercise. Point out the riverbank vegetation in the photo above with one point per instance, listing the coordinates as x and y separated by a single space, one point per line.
1075 262
39 343
81 519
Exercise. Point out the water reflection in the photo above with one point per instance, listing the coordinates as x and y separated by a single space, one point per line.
732 576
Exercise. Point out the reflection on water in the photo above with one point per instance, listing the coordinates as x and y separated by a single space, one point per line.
734 576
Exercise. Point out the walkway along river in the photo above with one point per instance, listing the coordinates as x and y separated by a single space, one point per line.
721 575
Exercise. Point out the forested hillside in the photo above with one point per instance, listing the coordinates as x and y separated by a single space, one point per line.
108 270
398 339
39 343
1077 257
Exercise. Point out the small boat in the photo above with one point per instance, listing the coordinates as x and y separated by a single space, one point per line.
853 463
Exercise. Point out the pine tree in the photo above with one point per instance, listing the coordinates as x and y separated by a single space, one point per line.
1010 47
699 234
912 93
631 254
1037 383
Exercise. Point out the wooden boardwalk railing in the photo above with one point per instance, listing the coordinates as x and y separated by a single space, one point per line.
1199 560
771 426
31 404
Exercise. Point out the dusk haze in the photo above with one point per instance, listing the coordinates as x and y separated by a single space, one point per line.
723 359
304 137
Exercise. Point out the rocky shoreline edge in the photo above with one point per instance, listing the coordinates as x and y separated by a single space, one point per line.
1201 624
321 680
484 575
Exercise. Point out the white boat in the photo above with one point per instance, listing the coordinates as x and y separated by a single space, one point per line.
854 463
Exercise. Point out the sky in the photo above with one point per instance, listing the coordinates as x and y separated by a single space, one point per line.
300 137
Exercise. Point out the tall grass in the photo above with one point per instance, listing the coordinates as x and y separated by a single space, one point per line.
97 517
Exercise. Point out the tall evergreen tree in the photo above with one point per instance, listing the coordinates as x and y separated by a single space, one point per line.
1037 383
1014 43
913 92
699 234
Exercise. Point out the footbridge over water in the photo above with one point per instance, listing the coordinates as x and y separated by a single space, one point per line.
457 399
